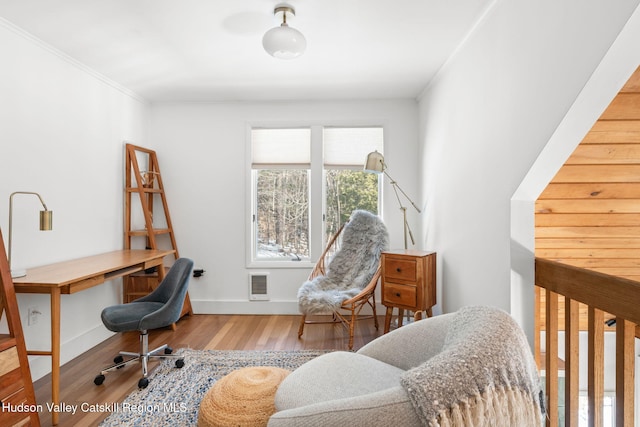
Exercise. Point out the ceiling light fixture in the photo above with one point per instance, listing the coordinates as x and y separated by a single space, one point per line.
284 42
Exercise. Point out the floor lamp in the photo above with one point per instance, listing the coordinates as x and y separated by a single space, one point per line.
46 224
375 164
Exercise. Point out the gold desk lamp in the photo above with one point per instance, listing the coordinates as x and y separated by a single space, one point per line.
46 224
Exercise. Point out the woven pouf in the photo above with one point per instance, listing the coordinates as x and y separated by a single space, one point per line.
245 397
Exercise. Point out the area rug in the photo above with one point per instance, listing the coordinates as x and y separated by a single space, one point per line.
173 395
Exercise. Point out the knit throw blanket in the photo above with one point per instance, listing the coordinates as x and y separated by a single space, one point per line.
484 376
364 238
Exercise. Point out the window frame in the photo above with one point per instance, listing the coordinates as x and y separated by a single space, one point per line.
317 194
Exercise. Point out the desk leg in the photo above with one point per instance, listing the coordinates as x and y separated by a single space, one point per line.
55 352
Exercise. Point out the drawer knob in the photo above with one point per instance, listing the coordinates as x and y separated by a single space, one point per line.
397 294
398 269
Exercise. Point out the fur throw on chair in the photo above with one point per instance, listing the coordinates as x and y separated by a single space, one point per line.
351 269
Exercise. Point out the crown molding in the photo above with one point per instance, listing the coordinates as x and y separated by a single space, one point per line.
63 56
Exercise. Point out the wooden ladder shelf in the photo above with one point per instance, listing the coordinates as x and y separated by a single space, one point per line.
16 388
147 184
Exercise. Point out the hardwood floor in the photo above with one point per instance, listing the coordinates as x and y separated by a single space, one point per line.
200 331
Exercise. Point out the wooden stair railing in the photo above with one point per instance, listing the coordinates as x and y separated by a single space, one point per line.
601 293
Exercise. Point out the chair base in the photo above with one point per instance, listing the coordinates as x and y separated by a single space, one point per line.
162 352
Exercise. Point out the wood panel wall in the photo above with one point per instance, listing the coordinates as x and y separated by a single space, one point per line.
589 214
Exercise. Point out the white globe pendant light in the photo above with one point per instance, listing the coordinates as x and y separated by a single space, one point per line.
284 42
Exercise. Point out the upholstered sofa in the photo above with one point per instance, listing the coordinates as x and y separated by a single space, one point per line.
473 367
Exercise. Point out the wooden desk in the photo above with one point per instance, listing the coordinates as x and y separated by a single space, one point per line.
69 277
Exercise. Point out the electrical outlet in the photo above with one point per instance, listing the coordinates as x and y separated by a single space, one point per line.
32 315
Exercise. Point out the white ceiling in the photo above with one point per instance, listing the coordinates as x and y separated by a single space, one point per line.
211 50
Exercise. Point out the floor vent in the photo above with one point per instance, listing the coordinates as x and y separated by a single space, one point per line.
258 287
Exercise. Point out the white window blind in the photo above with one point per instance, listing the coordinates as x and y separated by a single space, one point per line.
348 147
278 147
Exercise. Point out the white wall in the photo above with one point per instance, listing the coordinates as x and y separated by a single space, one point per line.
202 149
61 133
484 120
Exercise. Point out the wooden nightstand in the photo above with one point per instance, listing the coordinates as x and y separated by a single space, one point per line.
408 283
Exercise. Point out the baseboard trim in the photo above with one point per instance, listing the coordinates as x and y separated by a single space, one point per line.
257 307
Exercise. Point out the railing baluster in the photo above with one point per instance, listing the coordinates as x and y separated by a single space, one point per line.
536 324
572 362
596 367
625 372
551 357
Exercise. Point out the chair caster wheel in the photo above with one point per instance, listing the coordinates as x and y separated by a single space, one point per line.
98 379
143 383
118 359
168 350
179 363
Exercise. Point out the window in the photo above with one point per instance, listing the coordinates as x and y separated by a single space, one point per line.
347 186
280 164
297 171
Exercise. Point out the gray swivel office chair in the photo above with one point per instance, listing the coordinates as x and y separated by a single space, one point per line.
159 309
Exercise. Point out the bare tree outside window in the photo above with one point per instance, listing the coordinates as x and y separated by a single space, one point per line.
282 216
346 191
